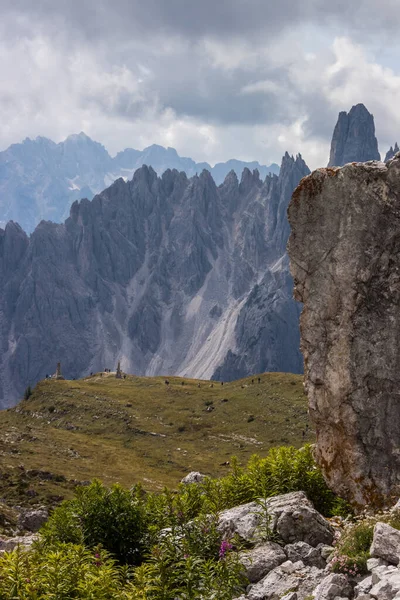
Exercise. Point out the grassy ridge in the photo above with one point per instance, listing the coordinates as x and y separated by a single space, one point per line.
139 429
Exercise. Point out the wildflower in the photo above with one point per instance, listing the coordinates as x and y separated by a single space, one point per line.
224 548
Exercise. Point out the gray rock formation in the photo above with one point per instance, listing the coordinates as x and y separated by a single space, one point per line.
261 560
354 138
292 518
268 341
391 153
40 179
155 273
344 253
386 543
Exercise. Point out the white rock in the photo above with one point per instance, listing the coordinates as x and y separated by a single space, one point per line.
7 544
279 583
261 560
381 572
193 477
306 553
331 586
388 587
242 520
386 543
292 517
364 586
373 563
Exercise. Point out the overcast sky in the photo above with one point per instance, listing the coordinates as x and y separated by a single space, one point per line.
215 79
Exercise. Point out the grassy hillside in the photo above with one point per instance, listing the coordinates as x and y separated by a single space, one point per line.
139 429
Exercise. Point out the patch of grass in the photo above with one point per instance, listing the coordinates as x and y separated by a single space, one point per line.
140 430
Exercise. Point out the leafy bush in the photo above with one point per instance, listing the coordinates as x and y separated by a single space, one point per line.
99 515
60 573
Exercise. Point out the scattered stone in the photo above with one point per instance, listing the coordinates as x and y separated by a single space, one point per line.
386 543
363 587
261 560
332 586
373 563
388 585
32 520
306 553
286 579
7 544
326 551
193 477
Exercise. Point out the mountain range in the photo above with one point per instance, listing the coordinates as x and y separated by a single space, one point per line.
168 274
40 179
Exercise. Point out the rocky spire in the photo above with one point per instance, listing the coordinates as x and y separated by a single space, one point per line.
344 260
392 152
354 138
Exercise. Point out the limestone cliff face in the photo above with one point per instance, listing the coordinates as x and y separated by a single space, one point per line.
345 259
354 138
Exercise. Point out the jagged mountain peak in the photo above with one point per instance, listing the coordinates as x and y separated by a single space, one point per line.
354 138
231 178
154 272
391 153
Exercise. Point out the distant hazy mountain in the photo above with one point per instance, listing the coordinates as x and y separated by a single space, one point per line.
354 138
167 274
39 179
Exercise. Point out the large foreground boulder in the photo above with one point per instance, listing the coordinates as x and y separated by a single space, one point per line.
290 517
345 259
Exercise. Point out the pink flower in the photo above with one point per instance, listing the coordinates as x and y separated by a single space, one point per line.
224 548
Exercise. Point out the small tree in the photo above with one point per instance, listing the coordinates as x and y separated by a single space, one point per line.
28 393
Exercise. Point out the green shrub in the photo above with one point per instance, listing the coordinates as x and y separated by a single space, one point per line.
112 517
63 572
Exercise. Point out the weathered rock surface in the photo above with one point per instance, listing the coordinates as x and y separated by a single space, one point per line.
307 554
354 138
290 516
287 578
156 273
345 258
386 543
332 586
261 560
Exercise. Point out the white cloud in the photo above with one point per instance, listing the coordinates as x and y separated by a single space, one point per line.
211 98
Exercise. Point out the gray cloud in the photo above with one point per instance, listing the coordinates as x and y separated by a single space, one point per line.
190 18
217 79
